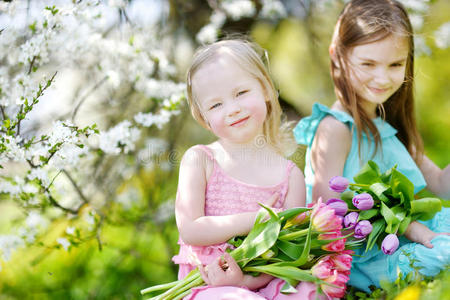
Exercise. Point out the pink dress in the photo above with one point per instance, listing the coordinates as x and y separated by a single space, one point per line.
226 195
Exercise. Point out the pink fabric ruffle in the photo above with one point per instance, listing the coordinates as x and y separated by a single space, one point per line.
305 291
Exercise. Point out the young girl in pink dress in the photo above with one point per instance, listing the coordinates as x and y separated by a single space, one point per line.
220 185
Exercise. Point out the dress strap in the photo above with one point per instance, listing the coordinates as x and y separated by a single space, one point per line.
207 150
289 168
305 130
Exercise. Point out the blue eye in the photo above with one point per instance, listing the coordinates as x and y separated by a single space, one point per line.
215 106
240 93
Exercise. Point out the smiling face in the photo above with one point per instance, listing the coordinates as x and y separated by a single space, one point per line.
377 70
231 101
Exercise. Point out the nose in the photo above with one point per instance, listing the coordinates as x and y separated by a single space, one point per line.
382 76
233 108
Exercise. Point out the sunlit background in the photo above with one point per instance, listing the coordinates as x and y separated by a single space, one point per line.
87 212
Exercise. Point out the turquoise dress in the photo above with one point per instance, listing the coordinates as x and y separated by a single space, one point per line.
374 265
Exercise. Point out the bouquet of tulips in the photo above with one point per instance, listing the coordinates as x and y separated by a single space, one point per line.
298 244
379 206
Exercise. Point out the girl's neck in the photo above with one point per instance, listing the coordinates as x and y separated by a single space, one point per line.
236 150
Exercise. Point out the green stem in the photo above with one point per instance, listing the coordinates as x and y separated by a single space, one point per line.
165 286
181 296
186 290
360 185
180 284
293 235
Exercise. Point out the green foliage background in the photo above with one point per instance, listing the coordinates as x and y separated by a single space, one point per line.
137 254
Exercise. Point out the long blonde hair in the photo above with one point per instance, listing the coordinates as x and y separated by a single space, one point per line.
253 59
367 21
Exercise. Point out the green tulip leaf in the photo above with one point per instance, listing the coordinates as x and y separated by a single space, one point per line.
400 184
377 228
261 238
390 218
368 214
378 189
404 225
368 174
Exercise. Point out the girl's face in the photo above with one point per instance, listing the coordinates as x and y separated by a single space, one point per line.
377 70
231 100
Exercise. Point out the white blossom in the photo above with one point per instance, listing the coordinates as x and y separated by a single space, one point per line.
123 135
207 34
64 243
420 46
273 9
238 9
8 244
40 174
70 230
9 188
442 36
150 119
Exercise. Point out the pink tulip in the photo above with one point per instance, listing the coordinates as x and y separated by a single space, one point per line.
338 291
342 261
323 219
338 184
301 218
324 269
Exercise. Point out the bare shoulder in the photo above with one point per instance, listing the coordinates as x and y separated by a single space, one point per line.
331 127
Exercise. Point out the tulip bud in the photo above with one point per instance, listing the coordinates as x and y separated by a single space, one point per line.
338 184
350 220
390 244
362 229
363 201
339 206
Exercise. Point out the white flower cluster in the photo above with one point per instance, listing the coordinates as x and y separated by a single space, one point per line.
122 136
238 9
210 32
8 244
273 9
442 36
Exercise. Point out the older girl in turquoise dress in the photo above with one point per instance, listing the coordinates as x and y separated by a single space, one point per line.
372 65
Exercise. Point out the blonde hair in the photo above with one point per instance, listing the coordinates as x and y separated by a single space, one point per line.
362 22
253 59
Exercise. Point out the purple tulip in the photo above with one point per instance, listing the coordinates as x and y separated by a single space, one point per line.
339 206
390 244
362 229
338 184
363 201
350 220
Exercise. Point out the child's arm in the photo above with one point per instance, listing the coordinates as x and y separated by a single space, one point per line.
329 151
226 272
296 194
438 181
195 228
419 233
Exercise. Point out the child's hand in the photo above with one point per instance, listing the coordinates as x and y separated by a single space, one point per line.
222 272
419 233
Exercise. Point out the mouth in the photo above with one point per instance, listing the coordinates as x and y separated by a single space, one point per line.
239 122
378 90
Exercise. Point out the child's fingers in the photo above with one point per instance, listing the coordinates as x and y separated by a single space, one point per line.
204 274
428 244
232 264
